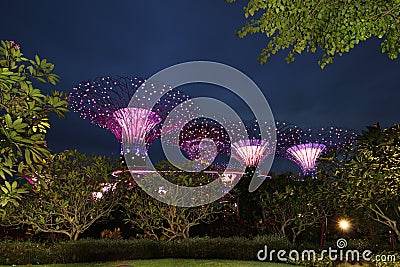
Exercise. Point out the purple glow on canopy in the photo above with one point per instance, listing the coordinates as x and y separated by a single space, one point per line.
201 135
252 151
135 123
305 155
304 147
200 149
252 148
105 103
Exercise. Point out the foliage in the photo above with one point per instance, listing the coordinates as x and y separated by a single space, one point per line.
249 205
111 234
90 250
335 27
68 205
393 262
158 220
174 263
24 114
10 194
295 206
370 179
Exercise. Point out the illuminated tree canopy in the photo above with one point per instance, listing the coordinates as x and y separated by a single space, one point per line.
335 27
204 139
105 102
304 147
252 149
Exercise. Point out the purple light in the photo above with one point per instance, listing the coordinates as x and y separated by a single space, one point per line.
304 147
255 144
105 103
203 138
306 155
251 152
135 123
203 150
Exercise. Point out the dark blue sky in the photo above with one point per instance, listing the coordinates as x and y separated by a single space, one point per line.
89 39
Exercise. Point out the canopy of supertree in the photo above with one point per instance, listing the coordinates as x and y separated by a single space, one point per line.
306 155
203 139
287 134
253 149
203 150
306 146
105 102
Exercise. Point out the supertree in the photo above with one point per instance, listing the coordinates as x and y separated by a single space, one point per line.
252 149
105 102
203 139
287 135
304 147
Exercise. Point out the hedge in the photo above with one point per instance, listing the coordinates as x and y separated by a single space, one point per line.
92 250
95 250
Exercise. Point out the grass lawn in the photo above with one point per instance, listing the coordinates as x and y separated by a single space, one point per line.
170 263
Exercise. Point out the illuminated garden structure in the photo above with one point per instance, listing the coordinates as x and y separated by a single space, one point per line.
252 149
203 140
306 146
105 102
287 135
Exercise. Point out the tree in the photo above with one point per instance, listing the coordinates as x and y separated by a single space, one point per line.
158 220
24 114
369 180
333 26
79 193
248 203
295 206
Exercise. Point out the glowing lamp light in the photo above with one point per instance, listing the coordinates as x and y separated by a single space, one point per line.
344 224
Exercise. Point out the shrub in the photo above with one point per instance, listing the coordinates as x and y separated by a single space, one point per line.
89 250
387 262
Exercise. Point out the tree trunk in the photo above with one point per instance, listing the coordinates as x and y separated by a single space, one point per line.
283 230
294 238
322 236
397 232
76 235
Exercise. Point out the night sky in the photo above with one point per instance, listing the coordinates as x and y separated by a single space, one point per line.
90 39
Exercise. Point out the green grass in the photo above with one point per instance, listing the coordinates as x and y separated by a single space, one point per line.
170 263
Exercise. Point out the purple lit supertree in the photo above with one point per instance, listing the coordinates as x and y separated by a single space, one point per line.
105 102
253 149
304 147
203 139
287 135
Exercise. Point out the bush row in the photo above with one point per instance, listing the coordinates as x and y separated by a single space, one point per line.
91 250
